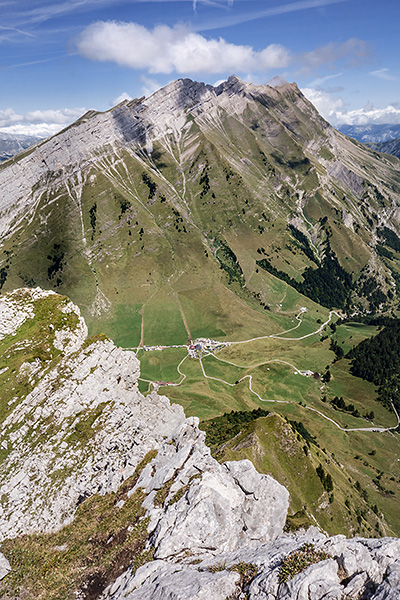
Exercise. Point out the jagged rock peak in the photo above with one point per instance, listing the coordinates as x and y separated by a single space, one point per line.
183 92
233 85
187 92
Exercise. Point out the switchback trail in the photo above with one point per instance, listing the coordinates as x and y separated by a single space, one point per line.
250 378
278 336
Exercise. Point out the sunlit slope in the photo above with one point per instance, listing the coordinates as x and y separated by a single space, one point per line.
328 485
152 216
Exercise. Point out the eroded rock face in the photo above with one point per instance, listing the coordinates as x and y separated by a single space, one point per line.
203 500
82 428
376 576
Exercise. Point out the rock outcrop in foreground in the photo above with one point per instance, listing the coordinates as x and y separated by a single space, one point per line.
76 425
356 568
83 427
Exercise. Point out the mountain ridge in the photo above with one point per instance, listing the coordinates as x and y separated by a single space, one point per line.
389 147
372 133
11 144
261 145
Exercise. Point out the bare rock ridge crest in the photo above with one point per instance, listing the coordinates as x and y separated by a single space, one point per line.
78 426
136 122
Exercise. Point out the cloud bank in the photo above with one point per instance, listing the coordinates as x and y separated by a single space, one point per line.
352 52
334 111
166 50
41 123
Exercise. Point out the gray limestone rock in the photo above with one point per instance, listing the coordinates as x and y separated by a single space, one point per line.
82 428
204 500
389 589
320 581
316 582
5 566
166 581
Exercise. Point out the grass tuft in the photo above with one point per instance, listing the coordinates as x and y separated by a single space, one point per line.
298 561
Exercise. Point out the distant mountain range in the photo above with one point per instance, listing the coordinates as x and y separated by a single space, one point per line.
11 144
371 133
390 147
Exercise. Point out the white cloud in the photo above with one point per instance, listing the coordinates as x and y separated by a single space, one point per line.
62 116
41 123
170 50
334 111
218 82
121 98
149 85
383 74
232 18
42 130
8 116
165 50
349 53
327 106
389 115
321 80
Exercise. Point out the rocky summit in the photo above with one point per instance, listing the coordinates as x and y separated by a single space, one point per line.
89 463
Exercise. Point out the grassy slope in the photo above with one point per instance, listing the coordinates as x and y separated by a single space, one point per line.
276 382
155 247
276 448
15 351
85 556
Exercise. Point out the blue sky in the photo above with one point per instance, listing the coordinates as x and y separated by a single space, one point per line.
60 58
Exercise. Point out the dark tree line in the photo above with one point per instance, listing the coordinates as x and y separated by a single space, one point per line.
378 360
329 284
303 242
229 263
222 429
390 237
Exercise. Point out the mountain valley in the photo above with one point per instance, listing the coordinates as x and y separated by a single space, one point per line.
11 144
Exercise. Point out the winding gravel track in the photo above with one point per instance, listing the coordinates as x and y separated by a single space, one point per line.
373 429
